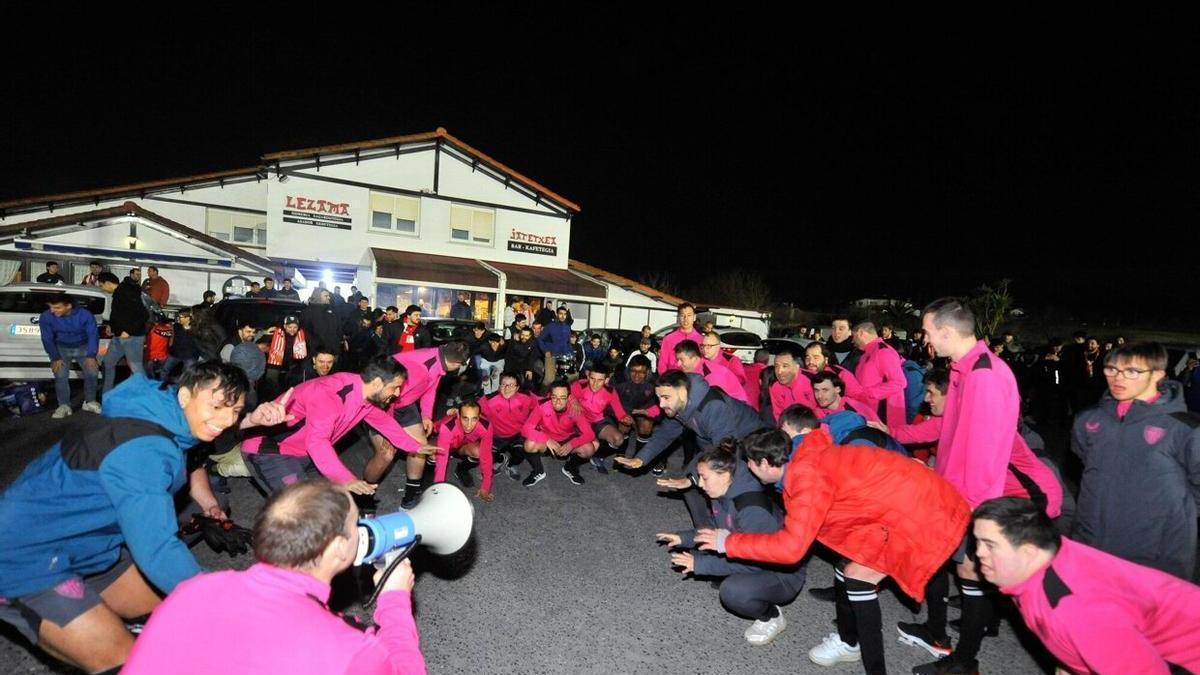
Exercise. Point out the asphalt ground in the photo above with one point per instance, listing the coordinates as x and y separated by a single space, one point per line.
559 579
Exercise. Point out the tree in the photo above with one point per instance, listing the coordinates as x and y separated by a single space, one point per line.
991 305
739 288
660 281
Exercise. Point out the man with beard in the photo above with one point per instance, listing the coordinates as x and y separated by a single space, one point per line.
322 411
841 344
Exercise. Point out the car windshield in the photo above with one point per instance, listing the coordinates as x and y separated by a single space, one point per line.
34 302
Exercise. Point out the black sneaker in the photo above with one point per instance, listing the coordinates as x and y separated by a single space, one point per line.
658 470
949 665
954 601
499 461
827 594
992 630
600 464
573 475
534 478
919 635
463 473
410 499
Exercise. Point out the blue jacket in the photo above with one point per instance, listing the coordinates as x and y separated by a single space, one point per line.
556 339
57 522
710 413
751 518
77 329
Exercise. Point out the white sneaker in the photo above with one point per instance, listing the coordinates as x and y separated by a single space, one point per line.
92 407
833 651
61 412
762 632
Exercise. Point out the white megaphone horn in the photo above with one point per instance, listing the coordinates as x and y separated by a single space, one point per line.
443 521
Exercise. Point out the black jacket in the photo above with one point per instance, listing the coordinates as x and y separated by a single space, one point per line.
322 328
1141 481
519 356
128 313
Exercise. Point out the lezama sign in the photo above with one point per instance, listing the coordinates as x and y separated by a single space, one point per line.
532 243
319 212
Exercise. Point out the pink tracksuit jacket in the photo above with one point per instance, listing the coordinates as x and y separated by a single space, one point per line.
544 423
666 353
720 376
326 409
450 436
507 415
735 366
1100 614
594 403
425 370
271 620
979 427
882 379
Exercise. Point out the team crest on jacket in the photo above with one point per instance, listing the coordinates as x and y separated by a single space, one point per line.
1153 434
1092 427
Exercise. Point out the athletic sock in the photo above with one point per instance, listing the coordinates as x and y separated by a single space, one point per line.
868 621
846 627
935 600
976 613
412 486
516 455
574 462
535 462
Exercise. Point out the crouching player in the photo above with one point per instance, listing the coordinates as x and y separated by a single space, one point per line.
739 505
506 409
466 435
593 397
887 515
551 427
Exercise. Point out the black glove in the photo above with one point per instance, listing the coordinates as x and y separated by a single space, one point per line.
222 536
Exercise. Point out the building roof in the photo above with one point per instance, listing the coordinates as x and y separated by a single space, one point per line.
131 209
624 282
128 190
439 135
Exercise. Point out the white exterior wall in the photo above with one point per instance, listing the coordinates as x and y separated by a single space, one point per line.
289 240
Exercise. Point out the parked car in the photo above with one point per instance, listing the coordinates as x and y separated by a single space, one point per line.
442 331
262 313
22 356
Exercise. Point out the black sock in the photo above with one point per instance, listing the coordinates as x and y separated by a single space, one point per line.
470 462
847 629
412 486
515 456
574 462
976 613
535 462
868 621
771 613
935 600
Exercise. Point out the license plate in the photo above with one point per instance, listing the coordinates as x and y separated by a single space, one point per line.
17 329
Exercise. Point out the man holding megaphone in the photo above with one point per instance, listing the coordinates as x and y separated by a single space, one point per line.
306 535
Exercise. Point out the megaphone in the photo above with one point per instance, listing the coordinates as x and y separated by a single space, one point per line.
442 521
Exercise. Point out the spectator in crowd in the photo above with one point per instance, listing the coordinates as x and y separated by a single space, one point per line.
51 275
492 362
268 288
593 352
644 349
255 290
888 335
156 287
287 292
184 350
841 344
127 318
92 278
1095 612
208 333
519 322
70 335
521 355
158 346
320 323
555 344
305 536
510 313
413 335
245 333
355 296
208 299
462 309
321 364
1141 465
250 357
365 342
614 362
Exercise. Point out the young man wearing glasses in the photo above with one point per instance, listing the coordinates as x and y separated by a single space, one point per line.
1141 464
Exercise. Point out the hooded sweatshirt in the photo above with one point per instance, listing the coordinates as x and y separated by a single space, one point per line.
1141 478
67 517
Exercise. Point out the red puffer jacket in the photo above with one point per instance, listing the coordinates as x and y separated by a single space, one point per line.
875 507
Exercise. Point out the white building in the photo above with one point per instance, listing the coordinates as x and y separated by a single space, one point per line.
422 219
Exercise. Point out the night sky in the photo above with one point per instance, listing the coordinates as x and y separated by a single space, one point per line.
839 170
